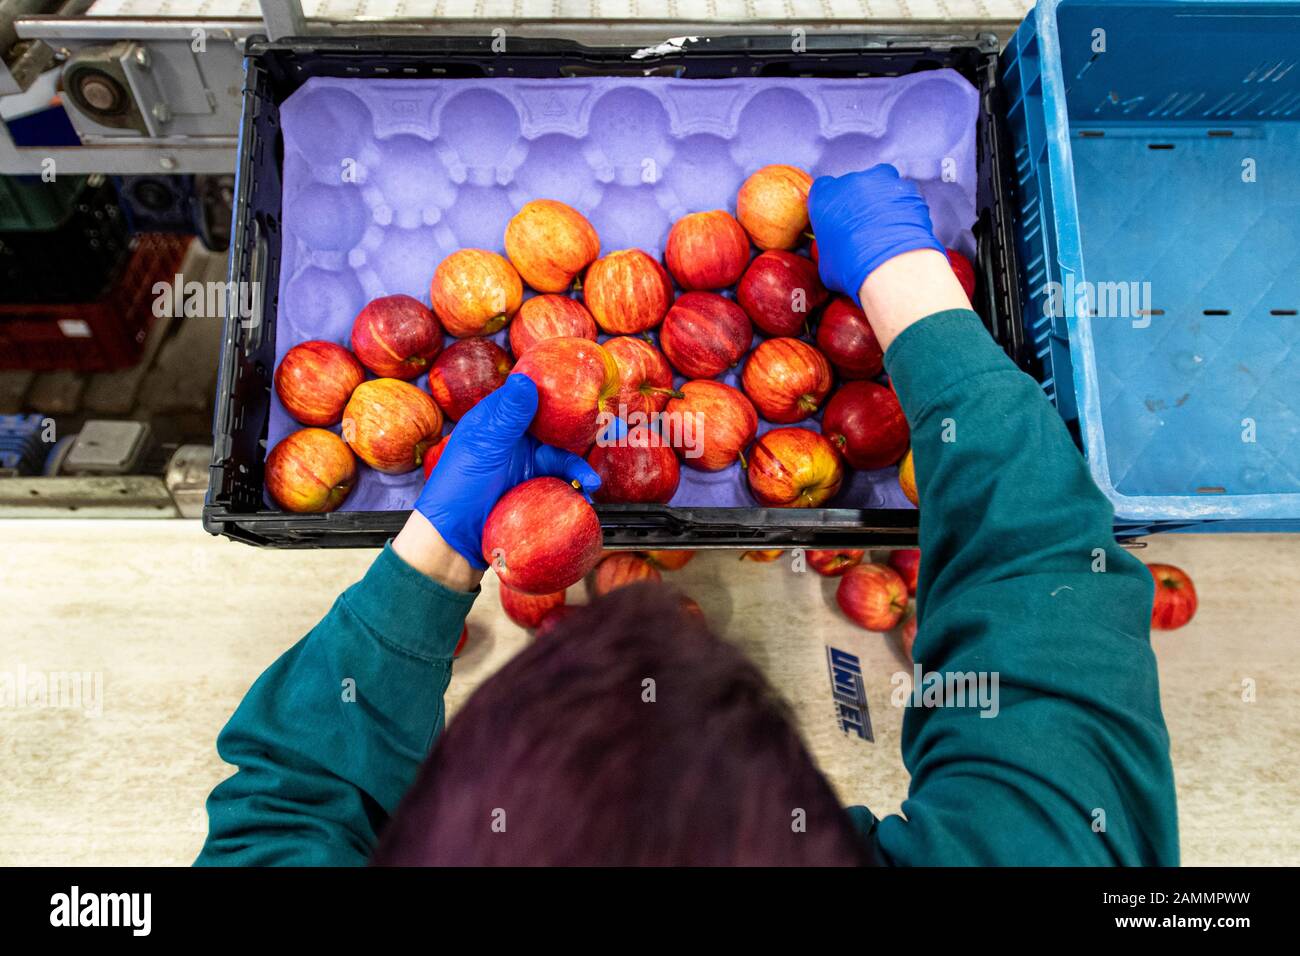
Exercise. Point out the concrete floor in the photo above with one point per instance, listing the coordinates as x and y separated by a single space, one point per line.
179 624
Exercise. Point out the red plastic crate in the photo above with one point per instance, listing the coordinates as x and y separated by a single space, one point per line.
98 336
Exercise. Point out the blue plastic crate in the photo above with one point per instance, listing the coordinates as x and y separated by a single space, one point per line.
1157 155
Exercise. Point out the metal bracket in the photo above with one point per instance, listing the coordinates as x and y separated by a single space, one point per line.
283 18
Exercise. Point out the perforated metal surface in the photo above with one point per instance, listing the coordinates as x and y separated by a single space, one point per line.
731 11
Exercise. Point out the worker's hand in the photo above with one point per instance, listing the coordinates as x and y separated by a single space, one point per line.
862 220
489 452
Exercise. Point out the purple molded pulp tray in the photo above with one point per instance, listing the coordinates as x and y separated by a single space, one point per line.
384 178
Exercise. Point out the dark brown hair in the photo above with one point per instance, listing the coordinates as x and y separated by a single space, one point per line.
630 736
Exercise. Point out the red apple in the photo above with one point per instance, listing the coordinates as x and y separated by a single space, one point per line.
908 636
475 292
669 560
831 564
794 468
845 337
707 250
907 562
542 536
773 206
391 424
550 244
780 291
873 596
310 471
1175 597
554 619
867 425
315 380
711 425
464 639
786 379
466 373
907 478
965 272
627 292
433 454
691 606
639 469
621 569
395 336
577 384
550 317
644 376
704 334
762 557
527 610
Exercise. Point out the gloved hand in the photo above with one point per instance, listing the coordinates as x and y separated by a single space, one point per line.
861 220
489 452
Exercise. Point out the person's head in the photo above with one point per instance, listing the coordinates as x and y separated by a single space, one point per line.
631 735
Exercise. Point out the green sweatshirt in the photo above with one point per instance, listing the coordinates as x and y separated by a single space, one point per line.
1022 578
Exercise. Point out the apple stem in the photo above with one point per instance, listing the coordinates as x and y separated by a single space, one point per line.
810 237
740 456
577 283
670 392
808 403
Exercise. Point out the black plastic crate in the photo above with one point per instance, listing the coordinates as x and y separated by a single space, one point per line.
236 506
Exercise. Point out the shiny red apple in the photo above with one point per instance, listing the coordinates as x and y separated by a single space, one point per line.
549 317
542 536
475 292
707 250
554 619
627 292
704 334
1175 597
639 469
673 560
310 471
873 596
831 564
965 272
907 562
772 205
780 291
907 635
395 336
466 373
315 380
433 454
550 243
711 425
786 379
645 380
845 337
621 569
528 610
867 425
577 384
794 468
390 424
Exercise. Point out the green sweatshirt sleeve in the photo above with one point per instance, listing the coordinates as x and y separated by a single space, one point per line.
1021 579
331 736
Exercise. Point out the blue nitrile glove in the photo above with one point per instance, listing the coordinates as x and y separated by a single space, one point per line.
861 220
489 452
